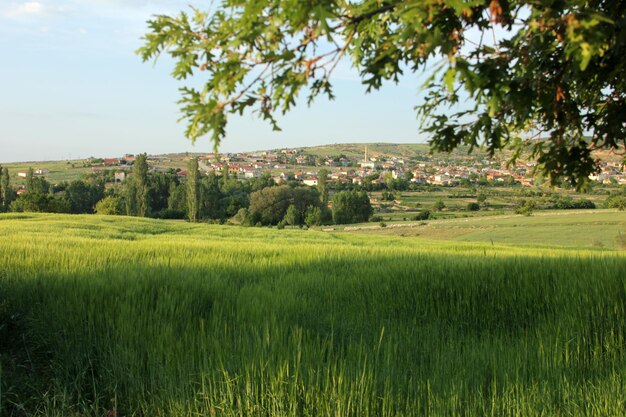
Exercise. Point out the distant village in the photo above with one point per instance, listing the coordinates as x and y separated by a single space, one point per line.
294 164
447 170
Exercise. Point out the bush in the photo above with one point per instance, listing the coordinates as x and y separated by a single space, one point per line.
423 215
586 204
473 206
240 217
617 201
375 219
527 208
567 203
388 196
109 206
439 205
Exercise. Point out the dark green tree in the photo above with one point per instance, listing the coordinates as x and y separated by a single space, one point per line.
234 201
305 197
235 194
315 216
130 197
82 196
159 186
292 217
322 186
30 179
264 181
31 202
351 207
177 199
539 76
6 192
36 185
211 201
269 205
193 190
140 180
40 196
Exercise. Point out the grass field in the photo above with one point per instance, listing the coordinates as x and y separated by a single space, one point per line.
155 318
59 170
456 199
573 228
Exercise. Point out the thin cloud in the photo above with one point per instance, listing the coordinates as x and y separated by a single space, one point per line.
30 9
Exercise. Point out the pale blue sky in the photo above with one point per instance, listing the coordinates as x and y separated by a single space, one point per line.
71 86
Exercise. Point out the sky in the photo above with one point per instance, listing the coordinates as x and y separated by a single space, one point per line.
71 86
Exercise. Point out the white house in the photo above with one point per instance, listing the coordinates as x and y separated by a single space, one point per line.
120 176
312 181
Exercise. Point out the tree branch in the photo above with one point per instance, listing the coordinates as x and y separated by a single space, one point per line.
384 9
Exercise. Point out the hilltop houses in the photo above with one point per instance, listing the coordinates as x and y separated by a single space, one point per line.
369 168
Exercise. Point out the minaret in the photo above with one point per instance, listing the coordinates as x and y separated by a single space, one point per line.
365 154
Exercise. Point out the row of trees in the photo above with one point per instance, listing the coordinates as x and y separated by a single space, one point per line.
290 204
76 197
200 198
164 195
297 206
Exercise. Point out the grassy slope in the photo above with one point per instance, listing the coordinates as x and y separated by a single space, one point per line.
409 150
355 150
161 318
59 170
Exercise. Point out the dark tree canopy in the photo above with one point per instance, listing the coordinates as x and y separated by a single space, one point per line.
137 203
193 190
82 196
543 77
351 207
269 205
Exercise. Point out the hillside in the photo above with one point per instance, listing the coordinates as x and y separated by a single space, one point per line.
136 317
356 150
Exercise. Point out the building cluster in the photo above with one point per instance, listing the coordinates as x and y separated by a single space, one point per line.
38 172
292 164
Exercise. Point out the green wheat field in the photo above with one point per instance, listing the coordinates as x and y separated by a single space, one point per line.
135 317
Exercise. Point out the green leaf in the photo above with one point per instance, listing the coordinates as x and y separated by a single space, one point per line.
449 77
